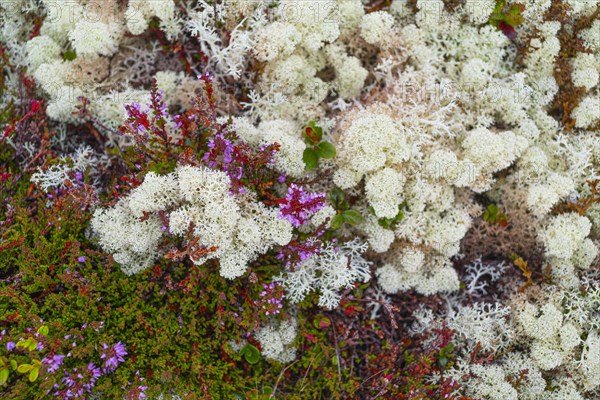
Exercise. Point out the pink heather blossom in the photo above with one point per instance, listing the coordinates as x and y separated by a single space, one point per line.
113 356
53 362
298 206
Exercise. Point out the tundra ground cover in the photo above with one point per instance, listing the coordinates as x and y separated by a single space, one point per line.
331 199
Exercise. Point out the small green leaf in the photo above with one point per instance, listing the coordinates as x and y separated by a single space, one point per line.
326 150
13 364
336 196
33 374
3 376
352 217
69 55
250 353
337 221
388 223
267 390
321 322
491 213
310 158
312 133
385 223
513 20
399 217
499 6
43 330
24 368
28 343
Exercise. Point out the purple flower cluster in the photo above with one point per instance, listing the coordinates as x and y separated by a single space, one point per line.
112 356
79 382
139 124
298 206
272 298
137 391
53 362
182 120
295 253
220 152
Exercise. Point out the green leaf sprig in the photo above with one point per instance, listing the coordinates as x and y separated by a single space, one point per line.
494 216
317 148
510 15
390 223
250 353
343 211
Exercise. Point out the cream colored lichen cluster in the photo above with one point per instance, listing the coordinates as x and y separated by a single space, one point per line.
547 336
196 199
333 269
276 340
92 34
556 341
301 39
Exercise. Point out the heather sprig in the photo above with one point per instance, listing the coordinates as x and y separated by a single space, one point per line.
271 298
42 357
247 167
78 382
298 251
298 206
148 123
112 356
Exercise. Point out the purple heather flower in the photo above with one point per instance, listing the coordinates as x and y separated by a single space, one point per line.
53 362
79 177
219 145
79 382
69 380
137 392
113 356
273 298
10 346
298 205
81 259
178 121
96 372
142 395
